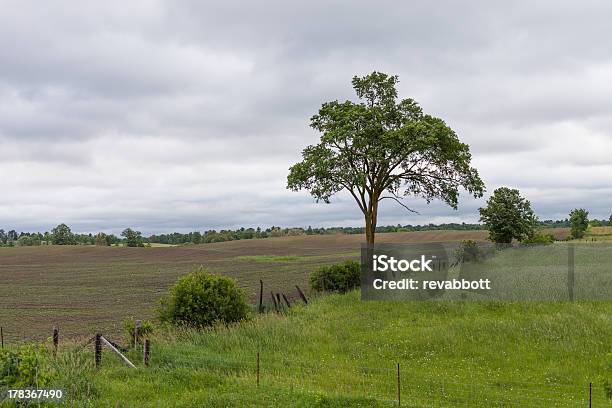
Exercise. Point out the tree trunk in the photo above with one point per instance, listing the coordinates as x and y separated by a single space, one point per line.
368 228
370 222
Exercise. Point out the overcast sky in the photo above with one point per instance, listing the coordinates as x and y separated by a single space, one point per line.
179 115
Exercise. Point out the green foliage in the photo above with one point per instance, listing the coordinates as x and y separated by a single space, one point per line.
595 223
202 299
27 240
102 239
383 145
129 326
336 278
539 239
579 222
62 235
73 372
24 367
508 216
132 238
469 251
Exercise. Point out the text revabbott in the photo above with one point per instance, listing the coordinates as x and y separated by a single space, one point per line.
411 284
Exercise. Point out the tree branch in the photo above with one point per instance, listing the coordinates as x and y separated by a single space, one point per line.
400 203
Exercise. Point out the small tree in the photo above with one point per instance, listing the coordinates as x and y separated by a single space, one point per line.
579 222
382 147
132 238
61 235
101 239
508 216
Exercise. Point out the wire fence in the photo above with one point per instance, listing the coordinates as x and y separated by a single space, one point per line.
393 384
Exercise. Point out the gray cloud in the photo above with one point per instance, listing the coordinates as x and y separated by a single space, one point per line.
182 115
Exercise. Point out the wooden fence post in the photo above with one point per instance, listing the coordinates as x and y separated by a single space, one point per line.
302 295
258 368
399 395
55 340
286 301
146 352
274 300
260 296
137 326
2 336
280 305
98 349
590 395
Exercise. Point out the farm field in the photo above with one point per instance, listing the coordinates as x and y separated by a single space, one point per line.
84 289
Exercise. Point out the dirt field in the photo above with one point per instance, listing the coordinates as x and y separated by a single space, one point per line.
84 289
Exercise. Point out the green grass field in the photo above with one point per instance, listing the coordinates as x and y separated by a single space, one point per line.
342 352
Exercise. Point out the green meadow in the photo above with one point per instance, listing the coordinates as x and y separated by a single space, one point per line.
341 352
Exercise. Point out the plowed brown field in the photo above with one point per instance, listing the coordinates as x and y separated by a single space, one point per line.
84 289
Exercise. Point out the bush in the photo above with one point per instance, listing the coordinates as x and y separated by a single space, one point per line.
470 251
23 368
129 325
540 239
336 278
202 299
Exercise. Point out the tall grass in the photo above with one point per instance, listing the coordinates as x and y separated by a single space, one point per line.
340 351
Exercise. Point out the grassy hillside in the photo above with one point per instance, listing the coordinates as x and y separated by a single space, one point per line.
339 351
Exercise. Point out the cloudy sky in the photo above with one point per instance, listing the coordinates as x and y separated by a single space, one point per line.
179 115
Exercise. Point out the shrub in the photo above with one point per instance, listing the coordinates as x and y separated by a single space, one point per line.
336 278
469 251
129 325
540 239
202 299
23 368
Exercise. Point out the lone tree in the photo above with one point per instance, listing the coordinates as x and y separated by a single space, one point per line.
508 216
132 238
61 235
579 222
381 148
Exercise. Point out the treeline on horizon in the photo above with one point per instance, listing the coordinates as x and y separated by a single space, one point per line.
62 234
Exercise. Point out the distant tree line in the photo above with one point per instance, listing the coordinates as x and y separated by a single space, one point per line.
63 235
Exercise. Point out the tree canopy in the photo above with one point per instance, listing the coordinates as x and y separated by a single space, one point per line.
508 216
579 222
62 235
381 147
132 238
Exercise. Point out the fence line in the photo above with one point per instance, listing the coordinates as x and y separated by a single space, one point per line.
287 372
383 384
